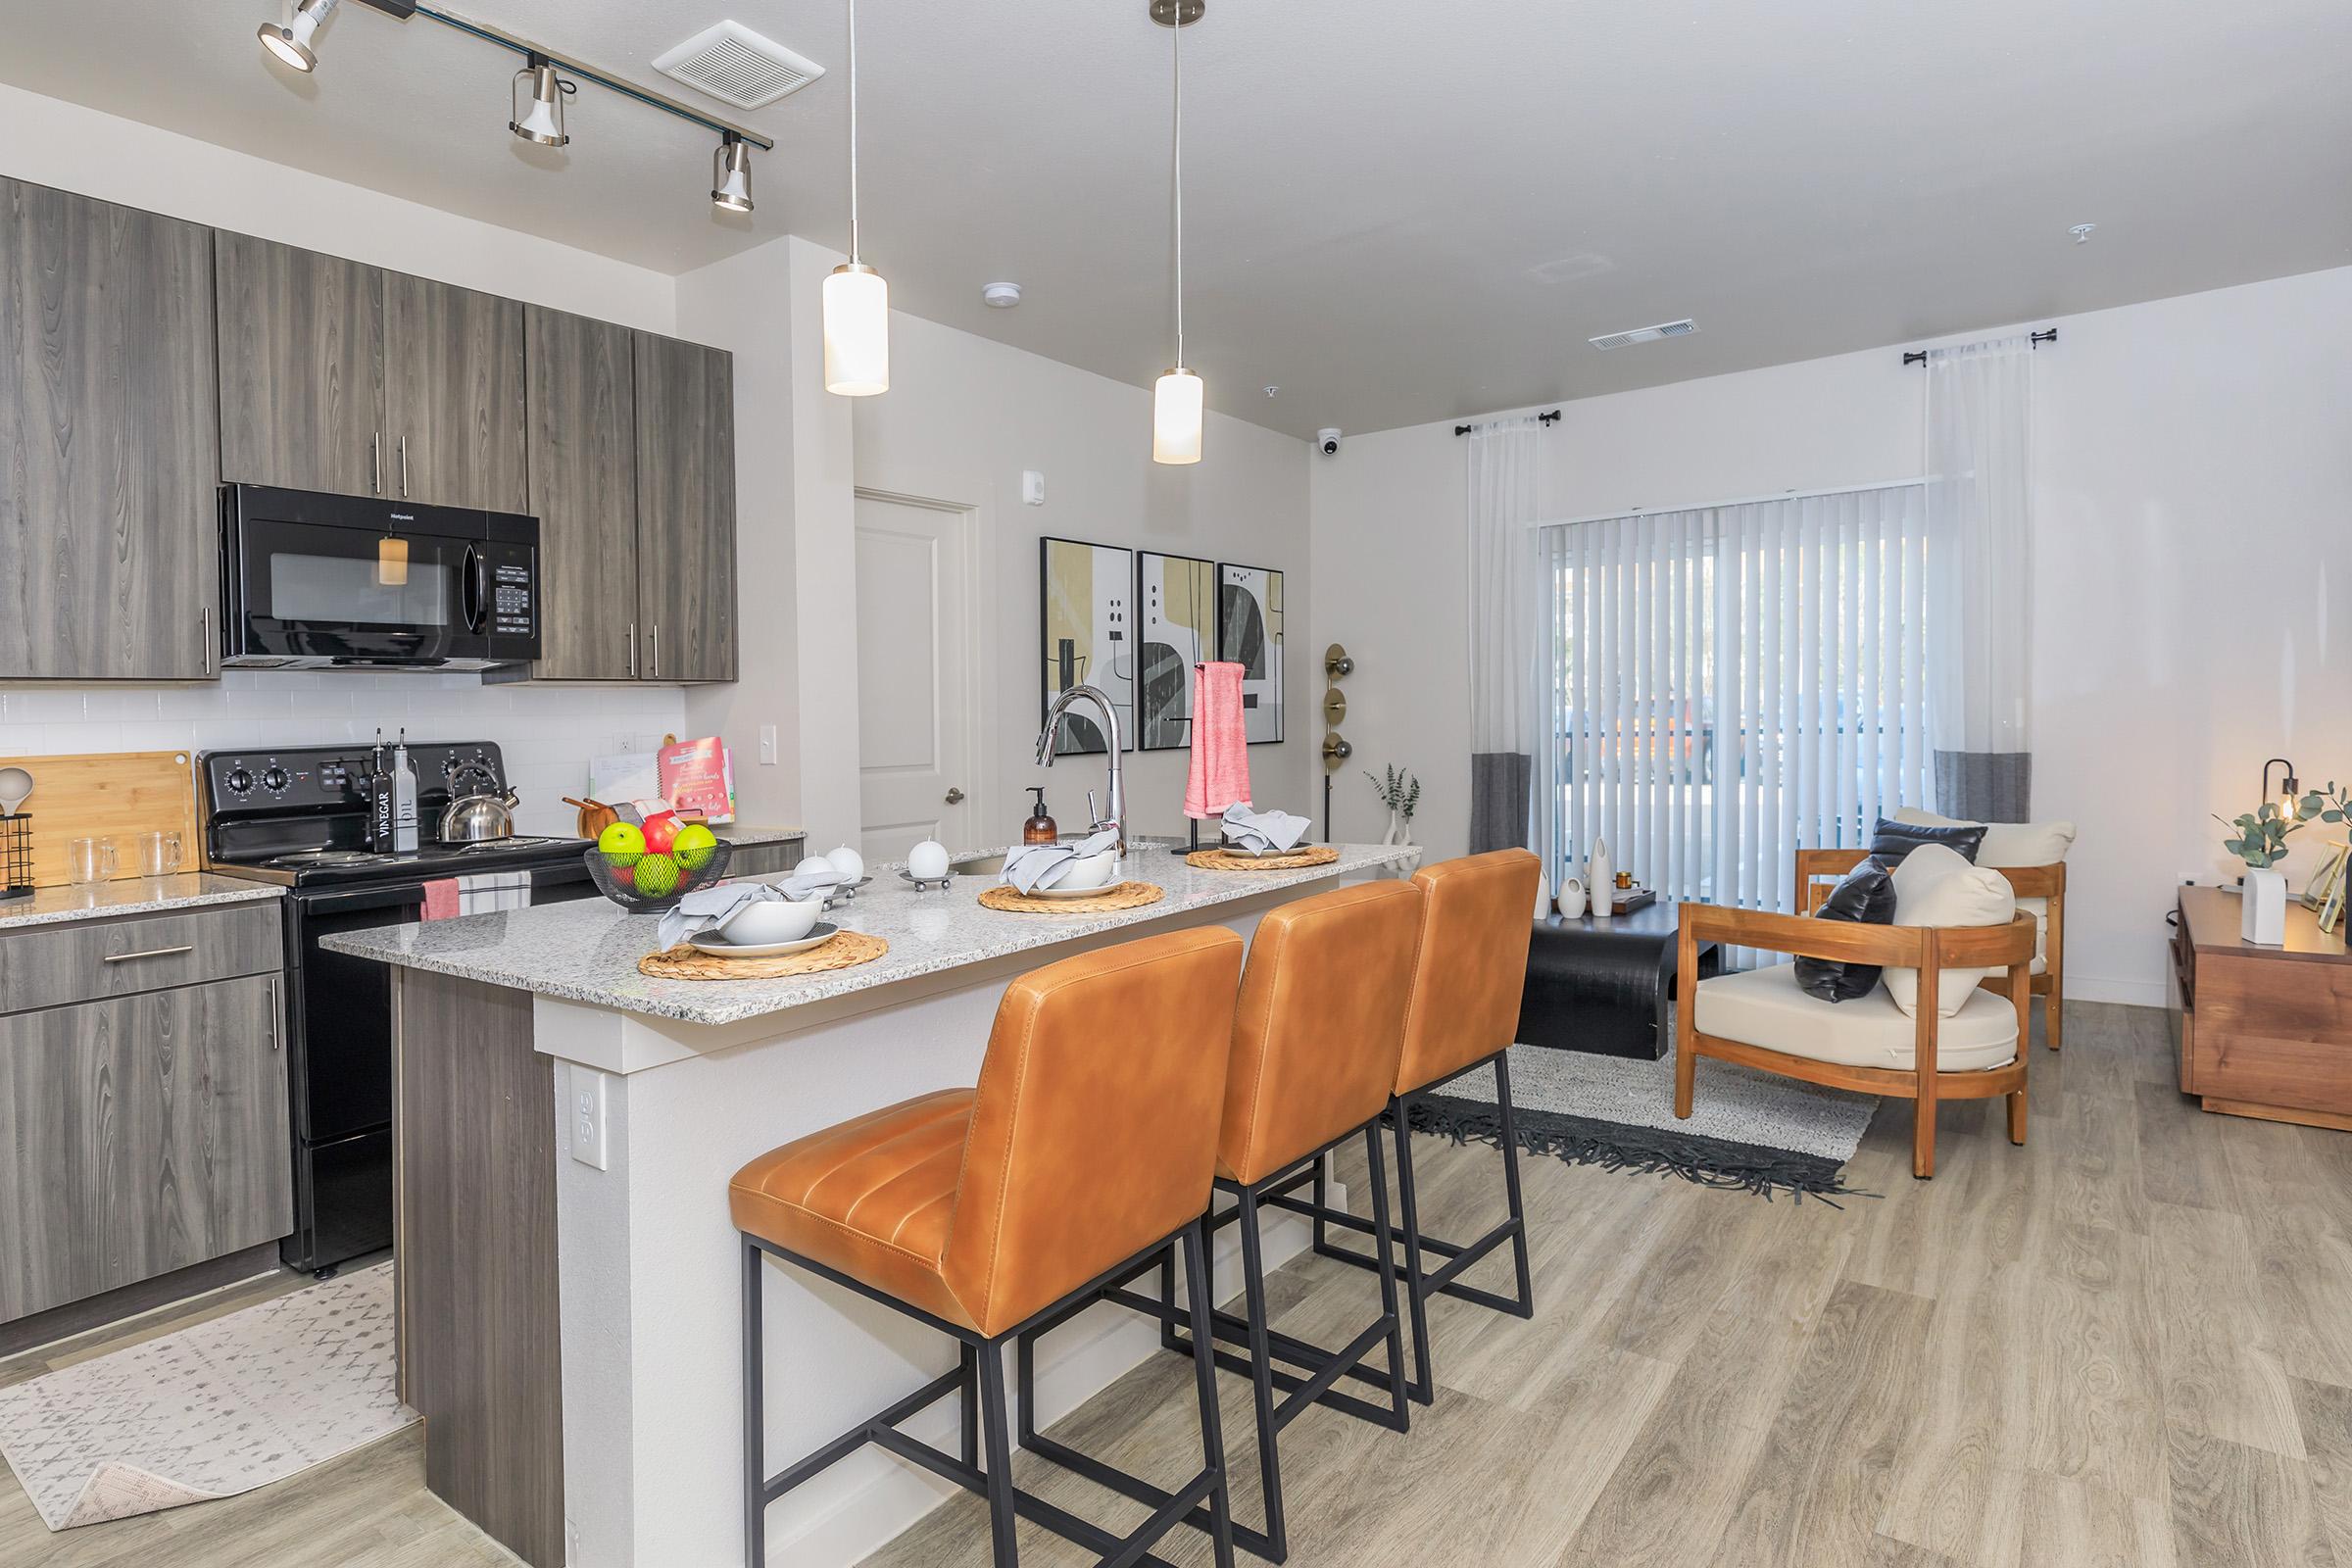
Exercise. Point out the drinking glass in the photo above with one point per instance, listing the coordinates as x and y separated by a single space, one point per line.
90 861
159 854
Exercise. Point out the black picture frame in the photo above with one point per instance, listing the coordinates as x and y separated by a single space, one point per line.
1250 633
1063 662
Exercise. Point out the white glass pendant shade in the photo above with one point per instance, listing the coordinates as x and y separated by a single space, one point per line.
856 331
1176 418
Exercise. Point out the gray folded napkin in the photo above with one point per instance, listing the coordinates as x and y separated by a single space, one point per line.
1259 831
708 909
1041 865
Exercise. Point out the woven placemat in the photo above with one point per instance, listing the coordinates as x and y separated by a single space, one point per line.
685 961
1227 860
1124 896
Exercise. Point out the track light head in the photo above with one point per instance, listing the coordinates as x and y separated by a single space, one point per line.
290 44
542 123
732 175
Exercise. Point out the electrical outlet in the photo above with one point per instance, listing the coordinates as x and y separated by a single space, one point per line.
588 1135
767 746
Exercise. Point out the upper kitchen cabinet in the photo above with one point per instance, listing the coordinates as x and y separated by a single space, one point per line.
453 396
686 508
347 378
302 368
107 455
582 393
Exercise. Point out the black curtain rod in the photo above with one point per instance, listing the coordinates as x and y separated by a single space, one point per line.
2037 339
1541 418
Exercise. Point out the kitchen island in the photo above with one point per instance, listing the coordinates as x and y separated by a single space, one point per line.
569 1280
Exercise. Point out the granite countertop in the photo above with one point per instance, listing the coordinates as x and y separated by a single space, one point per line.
131 895
588 951
738 833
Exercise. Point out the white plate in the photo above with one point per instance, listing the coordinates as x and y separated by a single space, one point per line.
1261 855
1065 893
719 947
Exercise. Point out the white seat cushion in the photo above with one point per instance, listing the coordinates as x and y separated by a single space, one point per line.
1935 886
1764 1008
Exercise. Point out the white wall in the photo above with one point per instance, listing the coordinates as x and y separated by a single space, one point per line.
548 733
2172 438
964 416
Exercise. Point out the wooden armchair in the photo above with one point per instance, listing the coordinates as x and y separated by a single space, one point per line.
1818 870
1972 1056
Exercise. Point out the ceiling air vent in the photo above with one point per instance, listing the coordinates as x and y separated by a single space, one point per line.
1646 334
736 66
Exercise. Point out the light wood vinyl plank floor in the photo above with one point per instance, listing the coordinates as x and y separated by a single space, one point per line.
2126 1346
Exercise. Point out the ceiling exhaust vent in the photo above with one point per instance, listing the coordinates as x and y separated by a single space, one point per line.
1646 334
736 66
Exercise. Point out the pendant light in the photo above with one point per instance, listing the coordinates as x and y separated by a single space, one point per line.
291 44
856 299
1176 401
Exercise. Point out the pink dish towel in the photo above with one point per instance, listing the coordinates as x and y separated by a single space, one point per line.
441 899
1220 773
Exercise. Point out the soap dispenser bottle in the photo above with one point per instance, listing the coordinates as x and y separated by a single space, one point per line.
1040 828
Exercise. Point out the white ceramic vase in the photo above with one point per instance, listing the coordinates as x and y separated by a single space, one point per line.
1572 899
1400 829
1600 876
2263 919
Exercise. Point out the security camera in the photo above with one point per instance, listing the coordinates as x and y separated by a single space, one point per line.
1327 442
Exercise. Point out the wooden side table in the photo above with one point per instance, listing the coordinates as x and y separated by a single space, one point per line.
2264 1031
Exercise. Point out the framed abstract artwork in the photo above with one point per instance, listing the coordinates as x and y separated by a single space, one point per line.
1085 598
1250 634
1176 605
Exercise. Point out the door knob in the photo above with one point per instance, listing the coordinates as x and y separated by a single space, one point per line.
955 797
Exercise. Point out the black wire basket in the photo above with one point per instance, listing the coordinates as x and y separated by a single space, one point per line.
16 856
633 886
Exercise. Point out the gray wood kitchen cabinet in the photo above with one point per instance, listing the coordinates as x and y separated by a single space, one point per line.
145 1134
581 388
108 460
453 396
686 508
302 368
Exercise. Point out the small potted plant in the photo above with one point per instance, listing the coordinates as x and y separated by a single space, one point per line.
1400 792
2260 840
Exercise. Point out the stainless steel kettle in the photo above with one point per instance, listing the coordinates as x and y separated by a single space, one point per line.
479 818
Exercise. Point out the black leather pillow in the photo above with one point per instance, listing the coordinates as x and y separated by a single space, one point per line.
1865 895
1891 840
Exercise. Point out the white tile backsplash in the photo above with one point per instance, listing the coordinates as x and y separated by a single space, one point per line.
547 733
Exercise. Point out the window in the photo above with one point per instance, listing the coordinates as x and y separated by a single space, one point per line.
1729 683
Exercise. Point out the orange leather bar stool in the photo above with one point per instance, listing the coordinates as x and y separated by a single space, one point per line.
1468 975
1316 1042
1087 1150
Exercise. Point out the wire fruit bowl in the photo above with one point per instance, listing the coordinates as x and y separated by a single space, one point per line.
653 884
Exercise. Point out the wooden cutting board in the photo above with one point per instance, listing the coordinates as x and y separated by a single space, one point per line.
108 794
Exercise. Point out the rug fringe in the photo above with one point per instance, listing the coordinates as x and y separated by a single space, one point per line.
1645 1150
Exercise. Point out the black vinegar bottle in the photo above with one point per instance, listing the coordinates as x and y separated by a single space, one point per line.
1040 828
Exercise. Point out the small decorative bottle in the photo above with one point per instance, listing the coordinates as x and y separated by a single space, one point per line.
1600 877
1040 828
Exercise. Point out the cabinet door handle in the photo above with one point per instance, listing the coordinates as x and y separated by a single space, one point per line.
270 1010
632 649
403 468
204 635
656 647
376 462
150 953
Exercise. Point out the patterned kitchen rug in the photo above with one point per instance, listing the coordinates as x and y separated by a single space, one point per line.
1748 1130
211 1411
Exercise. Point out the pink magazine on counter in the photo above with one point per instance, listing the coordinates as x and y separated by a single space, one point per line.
699 780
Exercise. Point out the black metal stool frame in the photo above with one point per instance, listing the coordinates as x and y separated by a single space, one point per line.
1321 1368
980 1380
1421 1284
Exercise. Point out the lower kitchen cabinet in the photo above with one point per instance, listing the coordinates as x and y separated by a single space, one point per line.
139 1134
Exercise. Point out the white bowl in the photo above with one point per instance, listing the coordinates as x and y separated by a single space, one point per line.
768 920
1089 872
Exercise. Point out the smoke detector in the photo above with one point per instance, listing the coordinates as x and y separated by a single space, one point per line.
1646 334
1000 296
738 66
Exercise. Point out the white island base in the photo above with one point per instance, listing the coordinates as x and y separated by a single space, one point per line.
640 1269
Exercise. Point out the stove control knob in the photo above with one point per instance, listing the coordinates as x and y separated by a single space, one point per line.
274 778
238 781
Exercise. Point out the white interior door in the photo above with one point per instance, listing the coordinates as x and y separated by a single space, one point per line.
915 718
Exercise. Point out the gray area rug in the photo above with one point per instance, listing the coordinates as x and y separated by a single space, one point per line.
223 1408
1748 1130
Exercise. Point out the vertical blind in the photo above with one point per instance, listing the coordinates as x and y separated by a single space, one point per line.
1730 683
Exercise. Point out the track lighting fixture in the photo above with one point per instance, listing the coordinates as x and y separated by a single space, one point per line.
543 121
731 175
290 44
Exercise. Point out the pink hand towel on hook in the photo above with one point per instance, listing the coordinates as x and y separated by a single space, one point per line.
1220 773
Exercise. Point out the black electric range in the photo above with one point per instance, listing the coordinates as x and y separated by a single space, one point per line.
298 816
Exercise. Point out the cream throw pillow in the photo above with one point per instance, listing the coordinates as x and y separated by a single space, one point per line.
2006 844
1934 886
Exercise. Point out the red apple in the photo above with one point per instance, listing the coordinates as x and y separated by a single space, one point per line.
662 831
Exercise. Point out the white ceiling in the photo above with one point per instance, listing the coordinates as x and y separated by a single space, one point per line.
1396 212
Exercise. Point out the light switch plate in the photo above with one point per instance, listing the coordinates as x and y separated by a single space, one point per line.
767 746
589 1142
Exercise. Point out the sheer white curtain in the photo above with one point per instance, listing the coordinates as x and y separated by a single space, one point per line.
1730 683
1980 524
1506 577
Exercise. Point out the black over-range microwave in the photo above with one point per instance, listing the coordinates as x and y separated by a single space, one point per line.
312 581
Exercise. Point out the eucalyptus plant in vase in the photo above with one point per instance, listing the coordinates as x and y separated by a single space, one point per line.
2260 840
1400 792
